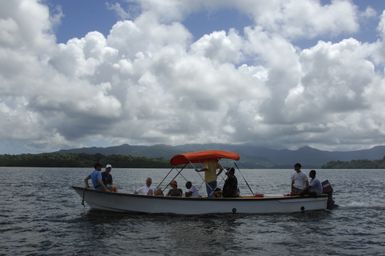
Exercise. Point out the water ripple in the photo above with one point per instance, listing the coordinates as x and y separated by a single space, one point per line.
41 215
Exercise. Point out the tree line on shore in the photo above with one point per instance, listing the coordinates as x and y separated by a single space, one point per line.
356 164
59 159
80 160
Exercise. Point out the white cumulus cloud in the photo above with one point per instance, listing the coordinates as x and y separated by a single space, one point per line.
147 81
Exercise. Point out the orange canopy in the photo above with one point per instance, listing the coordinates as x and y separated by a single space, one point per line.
201 156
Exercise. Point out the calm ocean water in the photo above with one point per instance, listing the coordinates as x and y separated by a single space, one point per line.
41 215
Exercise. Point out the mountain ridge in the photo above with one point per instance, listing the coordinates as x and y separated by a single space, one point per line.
252 156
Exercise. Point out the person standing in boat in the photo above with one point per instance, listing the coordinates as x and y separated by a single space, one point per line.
107 178
211 174
230 188
147 189
96 178
315 187
299 181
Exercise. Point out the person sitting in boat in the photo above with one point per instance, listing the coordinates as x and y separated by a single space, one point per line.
299 181
96 178
218 193
191 191
147 189
230 188
107 178
174 191
158 192
211 174
315 187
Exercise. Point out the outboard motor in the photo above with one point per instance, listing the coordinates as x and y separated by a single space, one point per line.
327 189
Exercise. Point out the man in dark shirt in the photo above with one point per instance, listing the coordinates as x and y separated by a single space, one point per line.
107 178
230 188
174 191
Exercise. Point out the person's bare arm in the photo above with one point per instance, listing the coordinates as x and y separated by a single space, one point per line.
86 181
104 187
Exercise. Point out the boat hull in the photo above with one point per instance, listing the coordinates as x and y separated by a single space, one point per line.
122 202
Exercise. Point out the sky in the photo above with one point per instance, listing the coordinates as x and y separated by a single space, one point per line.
278 73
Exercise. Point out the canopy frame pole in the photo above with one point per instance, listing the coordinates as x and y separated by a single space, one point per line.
183 177
175 175
244 178
84 194
164 178
220 174
203 180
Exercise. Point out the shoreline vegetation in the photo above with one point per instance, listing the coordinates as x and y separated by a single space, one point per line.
356 164
59 159
80 160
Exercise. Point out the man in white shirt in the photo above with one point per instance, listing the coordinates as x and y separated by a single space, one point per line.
146 189
191 191
299 181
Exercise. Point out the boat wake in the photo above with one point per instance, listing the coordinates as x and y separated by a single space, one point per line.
361 205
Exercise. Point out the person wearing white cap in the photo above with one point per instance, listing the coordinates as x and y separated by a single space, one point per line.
107 178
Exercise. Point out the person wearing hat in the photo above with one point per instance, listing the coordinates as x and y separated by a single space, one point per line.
107 178
96 178
230 188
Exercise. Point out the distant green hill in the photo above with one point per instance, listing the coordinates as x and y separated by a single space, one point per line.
252 156
80 160
356 164
157 156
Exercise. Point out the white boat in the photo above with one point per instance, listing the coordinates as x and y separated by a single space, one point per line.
122 202
251 204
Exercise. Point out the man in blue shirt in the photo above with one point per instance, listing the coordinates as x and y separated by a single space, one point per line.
96 178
